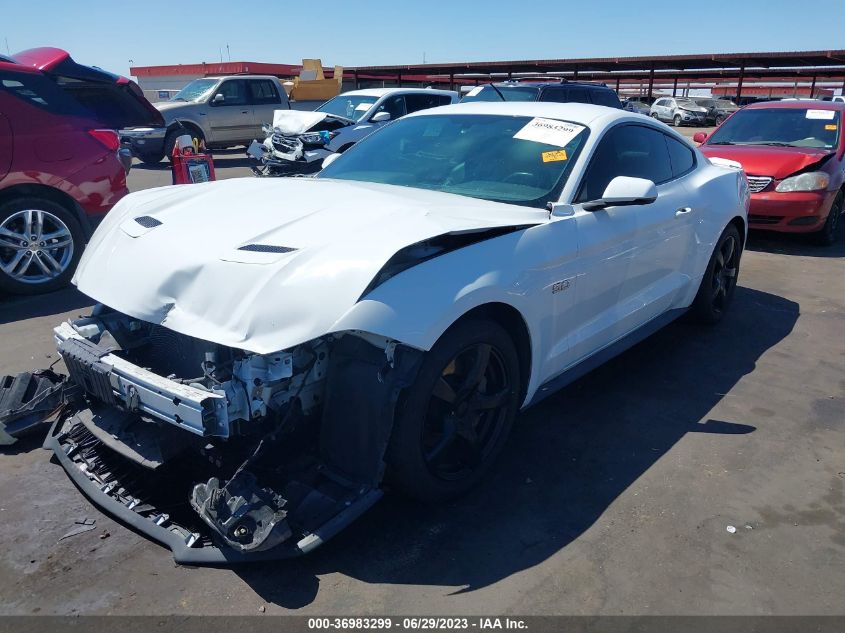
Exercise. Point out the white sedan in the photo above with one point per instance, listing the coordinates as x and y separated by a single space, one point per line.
267 352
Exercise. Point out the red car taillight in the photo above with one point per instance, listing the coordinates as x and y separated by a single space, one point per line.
108 138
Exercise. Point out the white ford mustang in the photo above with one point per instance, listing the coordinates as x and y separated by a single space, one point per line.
267 351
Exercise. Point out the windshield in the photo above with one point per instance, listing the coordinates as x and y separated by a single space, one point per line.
722 103
786 127
196 90
505 93
349 106
518 160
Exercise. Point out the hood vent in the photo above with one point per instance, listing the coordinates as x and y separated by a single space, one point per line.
148 221
266 248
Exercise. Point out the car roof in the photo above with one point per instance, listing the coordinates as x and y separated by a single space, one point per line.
581 113
551 82
814 104
241 77
380 92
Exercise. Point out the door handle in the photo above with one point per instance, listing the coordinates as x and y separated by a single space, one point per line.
683 211
244 111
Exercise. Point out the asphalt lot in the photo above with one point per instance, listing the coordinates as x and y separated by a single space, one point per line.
613 497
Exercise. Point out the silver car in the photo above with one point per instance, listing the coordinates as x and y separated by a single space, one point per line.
222 111
678 111
297 142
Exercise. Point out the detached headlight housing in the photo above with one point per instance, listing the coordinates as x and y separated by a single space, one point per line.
811 181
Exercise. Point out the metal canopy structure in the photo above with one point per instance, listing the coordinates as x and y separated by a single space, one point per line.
810 66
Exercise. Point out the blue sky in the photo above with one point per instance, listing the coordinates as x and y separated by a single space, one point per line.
151 32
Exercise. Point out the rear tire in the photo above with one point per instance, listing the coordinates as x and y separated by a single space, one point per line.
828 234
719 282
453 421
43 265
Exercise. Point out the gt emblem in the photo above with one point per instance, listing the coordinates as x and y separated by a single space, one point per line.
560 286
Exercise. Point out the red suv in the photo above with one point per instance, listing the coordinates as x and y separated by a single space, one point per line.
792 153
60 165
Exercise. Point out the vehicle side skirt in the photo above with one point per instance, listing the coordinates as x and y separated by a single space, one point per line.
590 363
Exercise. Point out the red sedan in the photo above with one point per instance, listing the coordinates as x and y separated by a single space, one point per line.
60 168
792 153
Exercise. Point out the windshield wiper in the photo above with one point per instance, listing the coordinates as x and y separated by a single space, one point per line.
772 143
498 92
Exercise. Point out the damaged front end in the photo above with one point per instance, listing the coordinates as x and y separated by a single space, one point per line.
220 454
296 143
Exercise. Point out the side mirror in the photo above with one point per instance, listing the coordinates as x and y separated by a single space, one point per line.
328 160
699 137
380 117
218 98
624 191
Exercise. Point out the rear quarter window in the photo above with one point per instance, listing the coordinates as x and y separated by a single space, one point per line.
681 156
606 98
38 91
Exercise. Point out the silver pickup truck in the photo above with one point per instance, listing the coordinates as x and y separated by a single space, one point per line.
222 111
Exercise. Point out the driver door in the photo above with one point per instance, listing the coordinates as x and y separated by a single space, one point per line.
634 258
230 119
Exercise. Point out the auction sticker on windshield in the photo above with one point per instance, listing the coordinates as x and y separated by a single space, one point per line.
825 115
549 131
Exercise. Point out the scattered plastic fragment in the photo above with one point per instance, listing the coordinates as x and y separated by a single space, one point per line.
731 529
81 525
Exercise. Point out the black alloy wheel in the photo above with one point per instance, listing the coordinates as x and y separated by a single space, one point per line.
455 418
719 282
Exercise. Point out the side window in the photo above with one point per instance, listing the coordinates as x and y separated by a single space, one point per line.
415 102
578 95
681 156
262 91
660 102
605 98
234 92
557 95
395 106
626 150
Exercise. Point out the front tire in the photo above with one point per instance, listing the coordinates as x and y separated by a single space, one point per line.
172 135
453 421
40 246
719 282
828 234
677 120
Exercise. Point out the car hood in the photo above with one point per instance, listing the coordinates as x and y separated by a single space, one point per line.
313 247
764 160
293 122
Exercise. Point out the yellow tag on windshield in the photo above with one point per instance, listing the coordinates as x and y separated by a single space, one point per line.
550 157
832 128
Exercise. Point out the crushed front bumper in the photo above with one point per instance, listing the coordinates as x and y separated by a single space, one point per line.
125 491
